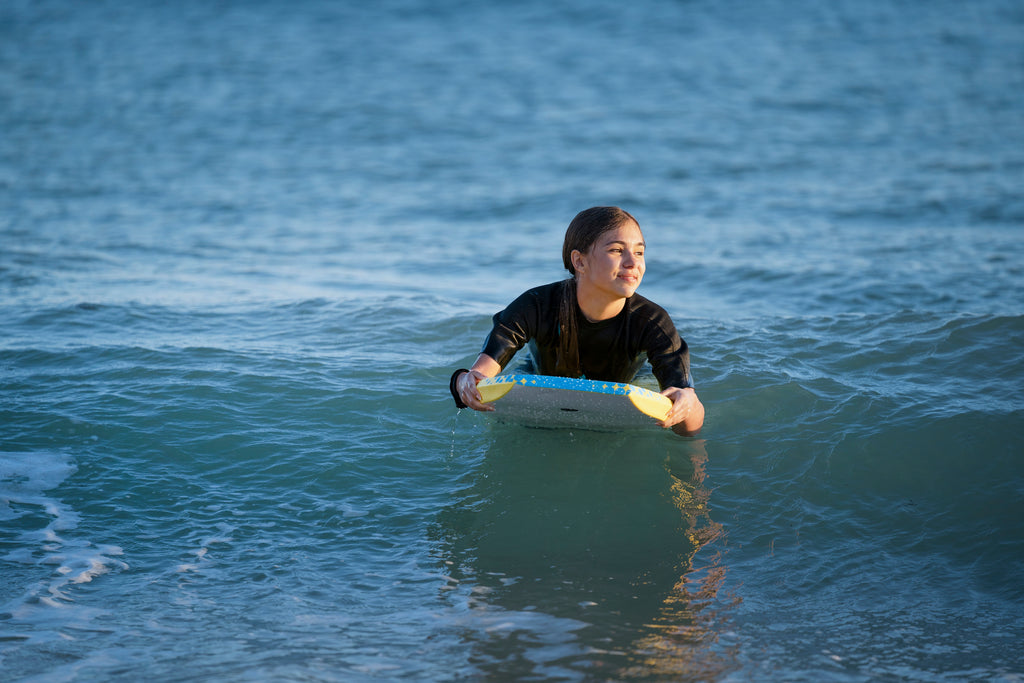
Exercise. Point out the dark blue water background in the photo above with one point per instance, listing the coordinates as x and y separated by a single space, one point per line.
243 245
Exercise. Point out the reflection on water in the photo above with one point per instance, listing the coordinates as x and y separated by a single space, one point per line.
574 556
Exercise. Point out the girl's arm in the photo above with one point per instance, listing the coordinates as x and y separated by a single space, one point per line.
686 416
464 383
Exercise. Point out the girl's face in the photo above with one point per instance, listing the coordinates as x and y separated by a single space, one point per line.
614 265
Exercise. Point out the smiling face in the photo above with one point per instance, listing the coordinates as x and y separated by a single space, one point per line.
613 267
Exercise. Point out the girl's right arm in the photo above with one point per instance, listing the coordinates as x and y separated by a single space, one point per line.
464 383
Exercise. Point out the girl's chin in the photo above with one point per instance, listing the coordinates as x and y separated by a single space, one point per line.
630 284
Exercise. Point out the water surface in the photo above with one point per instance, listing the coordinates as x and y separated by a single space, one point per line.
243 246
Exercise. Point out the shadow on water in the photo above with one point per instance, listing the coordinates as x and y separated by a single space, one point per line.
573 556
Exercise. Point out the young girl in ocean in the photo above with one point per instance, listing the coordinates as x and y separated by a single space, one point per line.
592 325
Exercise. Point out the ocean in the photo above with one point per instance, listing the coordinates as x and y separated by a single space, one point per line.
243 245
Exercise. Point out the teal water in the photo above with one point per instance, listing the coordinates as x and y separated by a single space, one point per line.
243 246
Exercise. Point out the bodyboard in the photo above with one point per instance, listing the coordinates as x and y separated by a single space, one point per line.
546 401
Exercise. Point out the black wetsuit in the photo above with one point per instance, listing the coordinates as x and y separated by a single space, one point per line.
611 350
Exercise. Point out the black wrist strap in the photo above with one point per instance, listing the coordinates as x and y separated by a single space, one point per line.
451 387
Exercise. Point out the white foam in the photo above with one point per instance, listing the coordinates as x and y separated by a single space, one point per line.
25 480
28 473
88 563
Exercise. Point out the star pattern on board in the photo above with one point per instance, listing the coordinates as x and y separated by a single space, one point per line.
578 384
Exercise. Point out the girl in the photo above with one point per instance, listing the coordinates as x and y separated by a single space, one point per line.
592 325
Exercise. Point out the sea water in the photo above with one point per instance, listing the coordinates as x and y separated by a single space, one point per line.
244 244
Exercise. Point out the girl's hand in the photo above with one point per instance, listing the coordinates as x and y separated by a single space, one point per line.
686 415
465 384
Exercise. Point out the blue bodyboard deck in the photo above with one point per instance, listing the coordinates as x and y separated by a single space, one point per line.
546 401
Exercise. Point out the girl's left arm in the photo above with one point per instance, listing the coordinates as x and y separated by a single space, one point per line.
686 416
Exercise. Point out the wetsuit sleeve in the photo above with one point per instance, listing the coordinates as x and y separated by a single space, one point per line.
513 327
668 354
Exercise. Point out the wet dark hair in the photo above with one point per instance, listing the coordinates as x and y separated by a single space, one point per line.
581 235
587 227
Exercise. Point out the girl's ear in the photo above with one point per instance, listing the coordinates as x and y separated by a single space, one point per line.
577 260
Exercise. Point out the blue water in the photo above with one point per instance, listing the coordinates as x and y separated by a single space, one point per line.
244 244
